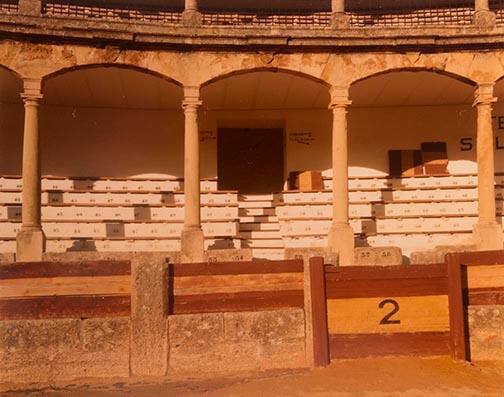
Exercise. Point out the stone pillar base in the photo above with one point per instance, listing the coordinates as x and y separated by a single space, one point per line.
192 246
484 19
342 242
488 236
30 245
192 18
30 7
339 20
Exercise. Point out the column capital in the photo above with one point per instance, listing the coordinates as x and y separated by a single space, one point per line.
339 97
192 98
484 94
32 91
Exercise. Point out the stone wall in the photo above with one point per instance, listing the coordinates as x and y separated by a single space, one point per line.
486 332
51 351
240 341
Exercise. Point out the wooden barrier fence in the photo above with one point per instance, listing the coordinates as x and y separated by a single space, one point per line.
235 286
482 282
65 290
380 311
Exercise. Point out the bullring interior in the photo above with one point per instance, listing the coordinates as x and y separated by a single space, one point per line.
123 124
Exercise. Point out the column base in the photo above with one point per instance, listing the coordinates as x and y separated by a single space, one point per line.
488 236
192 246
484 19
339 20
342 243
30 7
192 18
30 245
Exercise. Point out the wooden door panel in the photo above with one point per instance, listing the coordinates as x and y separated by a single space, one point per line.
251 160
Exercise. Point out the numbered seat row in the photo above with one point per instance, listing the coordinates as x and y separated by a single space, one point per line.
388 196
383 210
137 245
119 230
424 182
168 185
407 242
381 226
89 198
106 184
141 213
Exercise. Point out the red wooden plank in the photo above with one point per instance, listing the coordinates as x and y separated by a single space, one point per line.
234 302
64 269
319 313
484 296
458 333
478 258
385 272
385 287
224 268
65 307
395 344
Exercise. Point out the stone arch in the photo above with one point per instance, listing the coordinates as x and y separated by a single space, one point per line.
455 76
111 65
238 72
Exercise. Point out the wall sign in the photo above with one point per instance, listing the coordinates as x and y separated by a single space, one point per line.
303 138
467 144
207 135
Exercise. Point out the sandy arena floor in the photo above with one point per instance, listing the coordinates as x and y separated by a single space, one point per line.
406 377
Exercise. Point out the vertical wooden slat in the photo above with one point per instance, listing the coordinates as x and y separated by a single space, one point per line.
320 331
456 305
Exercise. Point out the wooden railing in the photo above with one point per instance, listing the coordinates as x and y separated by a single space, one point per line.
412 17
454 13
145 15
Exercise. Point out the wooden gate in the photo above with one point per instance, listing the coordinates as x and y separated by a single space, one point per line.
412 310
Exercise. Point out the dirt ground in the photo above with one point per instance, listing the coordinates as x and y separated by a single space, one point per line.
398 377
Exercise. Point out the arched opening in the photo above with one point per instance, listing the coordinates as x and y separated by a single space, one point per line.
109 121
11 123
402 109
262 125
413 133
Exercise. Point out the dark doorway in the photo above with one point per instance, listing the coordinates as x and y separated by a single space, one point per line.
250 160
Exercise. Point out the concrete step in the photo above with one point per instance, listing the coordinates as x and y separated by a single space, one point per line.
261 235
268 253
247 227
256 204
256 212
259 243
258 219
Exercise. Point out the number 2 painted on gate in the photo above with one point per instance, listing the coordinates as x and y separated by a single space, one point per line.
386 320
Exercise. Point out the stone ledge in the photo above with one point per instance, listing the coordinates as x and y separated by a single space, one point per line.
78 29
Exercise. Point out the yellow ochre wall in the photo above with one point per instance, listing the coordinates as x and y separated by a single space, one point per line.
125 142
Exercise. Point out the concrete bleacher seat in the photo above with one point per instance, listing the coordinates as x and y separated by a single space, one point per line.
147 214
118 214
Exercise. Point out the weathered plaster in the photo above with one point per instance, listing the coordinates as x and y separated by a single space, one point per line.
199 68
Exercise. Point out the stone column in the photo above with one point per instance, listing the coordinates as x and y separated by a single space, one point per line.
31 238
30 7
191 15
339 19
483 17
487 232
192 234
341 235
